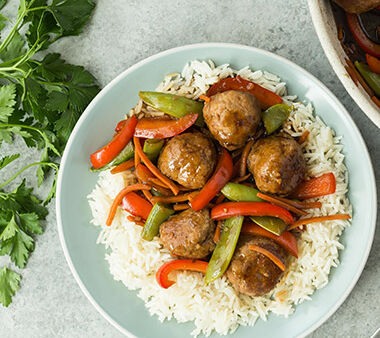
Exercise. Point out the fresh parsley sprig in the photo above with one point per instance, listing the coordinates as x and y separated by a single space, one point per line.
40 101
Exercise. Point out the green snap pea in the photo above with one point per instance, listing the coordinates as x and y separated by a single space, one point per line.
275 116
126 154
369 76
225 248
158 215
240 193
174 105
152 148
272 224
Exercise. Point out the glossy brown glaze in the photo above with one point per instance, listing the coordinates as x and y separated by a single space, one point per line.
232 117
277 164
189 159
189 234
251 272
357 6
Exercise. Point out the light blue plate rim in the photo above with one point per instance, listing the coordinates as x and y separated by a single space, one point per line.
285 61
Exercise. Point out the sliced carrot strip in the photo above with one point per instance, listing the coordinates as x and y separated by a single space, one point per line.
301 205
244 157
268 254
123 166
138 149
204 98
303 137
220 199
283 204
120 196
241 179
217 234
174 199
134 220
376 100
183 206
156 181
318 219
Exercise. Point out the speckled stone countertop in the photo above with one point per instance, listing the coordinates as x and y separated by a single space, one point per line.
122 32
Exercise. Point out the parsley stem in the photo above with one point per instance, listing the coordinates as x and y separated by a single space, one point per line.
49 164
38 8
15 28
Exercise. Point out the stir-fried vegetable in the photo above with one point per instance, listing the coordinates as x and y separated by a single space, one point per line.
286 239
159 128
162 274
136 205
275 116
174 105
318 219
268 254
316 187
266 97
159 214
240 193
107 153
123 166
126 154
230 209
281 203
221 176
272 224
171 185
119 198
373 63
371 77
360 37
225 248
152 148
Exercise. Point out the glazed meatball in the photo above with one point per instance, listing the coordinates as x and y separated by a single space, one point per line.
251 272
232 117
189 159
189 234
277 164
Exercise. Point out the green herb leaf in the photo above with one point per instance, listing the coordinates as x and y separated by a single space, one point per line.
9 284
8 159
15 48
7 101
31 223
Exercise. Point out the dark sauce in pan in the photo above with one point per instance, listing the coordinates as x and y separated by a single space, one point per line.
370 22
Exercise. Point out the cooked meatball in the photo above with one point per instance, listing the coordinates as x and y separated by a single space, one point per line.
277 164
251 272
189 234
189 159
358 6
232 117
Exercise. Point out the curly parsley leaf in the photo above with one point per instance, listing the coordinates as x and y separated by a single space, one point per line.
31 223
7 160
7 101
9 284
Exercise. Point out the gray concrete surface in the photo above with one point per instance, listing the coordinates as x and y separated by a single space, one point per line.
122 32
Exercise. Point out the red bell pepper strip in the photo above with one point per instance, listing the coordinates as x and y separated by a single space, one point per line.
162 275
107 153
136 205
159 128
218 180
316 187
230 209
373 63
266 97
286 240
120 125
360 37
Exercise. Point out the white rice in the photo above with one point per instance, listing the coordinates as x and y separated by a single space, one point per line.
218 306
